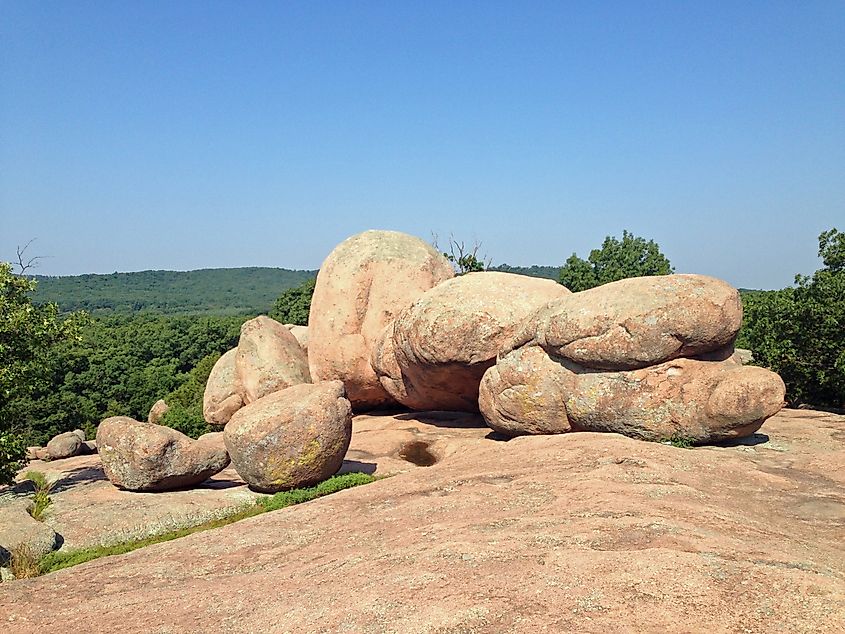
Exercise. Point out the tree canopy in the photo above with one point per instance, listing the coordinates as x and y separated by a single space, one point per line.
615 260
799 332
294 305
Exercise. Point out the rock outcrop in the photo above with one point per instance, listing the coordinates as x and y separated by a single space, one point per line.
221 399
157 412
291 438
637 322
362 285
529 392
434 355
301 334
143 457
18 529
268 359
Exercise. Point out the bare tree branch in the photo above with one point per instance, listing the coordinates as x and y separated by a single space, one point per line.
30 263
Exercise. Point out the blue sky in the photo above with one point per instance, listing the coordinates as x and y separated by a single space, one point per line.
181 135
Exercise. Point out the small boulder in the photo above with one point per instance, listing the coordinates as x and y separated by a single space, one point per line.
529 392
269 358
41 453
89 447
157 412
361 287
143 457
292 438
638 322
32 453
221 399
443 343
65 445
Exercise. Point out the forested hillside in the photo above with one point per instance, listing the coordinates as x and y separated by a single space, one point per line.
548 272
206 291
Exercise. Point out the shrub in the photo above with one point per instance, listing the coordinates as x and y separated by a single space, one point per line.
41 498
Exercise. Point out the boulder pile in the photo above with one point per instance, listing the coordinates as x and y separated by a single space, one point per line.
648 357
390 324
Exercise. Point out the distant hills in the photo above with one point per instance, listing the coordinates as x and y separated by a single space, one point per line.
206 291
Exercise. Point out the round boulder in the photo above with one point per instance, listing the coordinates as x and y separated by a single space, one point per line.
301 334
143 457
292 438
637 322
65 445
269 359
363 284
221 399
443 343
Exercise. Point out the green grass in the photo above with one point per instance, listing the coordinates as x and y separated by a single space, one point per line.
41 498
59 560
679 441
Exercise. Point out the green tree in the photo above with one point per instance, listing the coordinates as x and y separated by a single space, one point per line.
615 260
185 402
799 332
28 335
293 306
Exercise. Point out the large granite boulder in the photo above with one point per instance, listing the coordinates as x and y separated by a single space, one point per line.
157 412
292 438
143 457
363 284
269 358
530 392
65 445
434 355
637 322
221 399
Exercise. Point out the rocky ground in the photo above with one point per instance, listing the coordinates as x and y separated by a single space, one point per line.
581 532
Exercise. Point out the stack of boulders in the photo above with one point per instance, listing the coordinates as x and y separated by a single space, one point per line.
391 325
648 357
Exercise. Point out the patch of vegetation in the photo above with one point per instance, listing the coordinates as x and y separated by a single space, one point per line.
615 260
294 305
23 562
59 560
680 441
41 498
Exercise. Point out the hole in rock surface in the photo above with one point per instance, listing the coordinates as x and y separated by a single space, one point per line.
418 453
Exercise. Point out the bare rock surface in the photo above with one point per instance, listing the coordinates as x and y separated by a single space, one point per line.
221 398
639 321
144 457
529 392
442 343
87 510
65 445
361 287
292 438
301 334
157 412
583 532
268 359
17 527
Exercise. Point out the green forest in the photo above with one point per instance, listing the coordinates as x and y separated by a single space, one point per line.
206 291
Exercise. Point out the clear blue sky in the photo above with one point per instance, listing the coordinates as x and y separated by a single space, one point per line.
181 135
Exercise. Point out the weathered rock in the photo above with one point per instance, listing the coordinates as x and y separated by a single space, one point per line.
294 437
221 399
144 457
79 433
592 533
18 528
529 392
157 412
442 344
32 453
269 358
744 356
637 322
363 284
64 445
301 334
89 447
41 453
